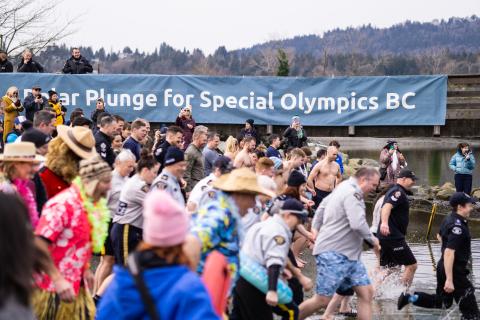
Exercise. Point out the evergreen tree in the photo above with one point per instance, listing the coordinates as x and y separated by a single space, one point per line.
283 64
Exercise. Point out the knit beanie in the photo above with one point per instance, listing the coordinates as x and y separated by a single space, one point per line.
92 171
165 222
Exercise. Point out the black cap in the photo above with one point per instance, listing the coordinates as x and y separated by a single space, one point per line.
173 156
295 207
296 179
406 173
460 198
51 93
36 136
224 164
37 87
163 130
251 121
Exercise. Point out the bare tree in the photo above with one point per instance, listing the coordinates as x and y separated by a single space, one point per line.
31 24
267 62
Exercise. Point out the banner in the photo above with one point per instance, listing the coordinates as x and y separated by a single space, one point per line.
342 101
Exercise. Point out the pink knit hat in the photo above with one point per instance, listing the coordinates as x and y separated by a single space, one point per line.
165 222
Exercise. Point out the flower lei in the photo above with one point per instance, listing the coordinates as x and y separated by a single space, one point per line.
98 217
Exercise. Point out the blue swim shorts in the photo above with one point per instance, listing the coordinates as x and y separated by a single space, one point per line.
335 271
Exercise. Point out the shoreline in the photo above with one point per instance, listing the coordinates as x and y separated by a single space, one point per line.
376 144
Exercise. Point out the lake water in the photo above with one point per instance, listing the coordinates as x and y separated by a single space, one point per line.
430 165
427 157
385 303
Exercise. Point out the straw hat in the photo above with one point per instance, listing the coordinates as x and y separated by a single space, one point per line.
79 139
20 152
241 180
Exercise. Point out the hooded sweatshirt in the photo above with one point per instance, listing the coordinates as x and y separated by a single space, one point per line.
177 292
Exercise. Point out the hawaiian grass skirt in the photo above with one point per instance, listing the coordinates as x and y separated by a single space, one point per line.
48 306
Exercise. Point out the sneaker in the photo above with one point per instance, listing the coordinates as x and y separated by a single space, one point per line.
352 314
403 300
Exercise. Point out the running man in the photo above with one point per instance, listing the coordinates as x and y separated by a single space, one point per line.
452 271
393 227
325 176
343 227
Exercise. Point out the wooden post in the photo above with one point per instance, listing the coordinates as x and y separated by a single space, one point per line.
351 130
436 131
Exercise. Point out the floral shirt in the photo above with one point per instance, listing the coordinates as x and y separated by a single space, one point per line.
217 225
64 223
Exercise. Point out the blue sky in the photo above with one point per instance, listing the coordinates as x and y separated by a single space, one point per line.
207 24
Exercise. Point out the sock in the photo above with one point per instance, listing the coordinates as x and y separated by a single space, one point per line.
413 298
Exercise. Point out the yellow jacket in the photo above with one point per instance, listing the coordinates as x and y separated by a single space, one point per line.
11 111
57 107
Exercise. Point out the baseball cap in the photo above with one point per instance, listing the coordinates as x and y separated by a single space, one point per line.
19 119
296 179
460 198
406 173
37 87
173 156
295 207
224 164
36 136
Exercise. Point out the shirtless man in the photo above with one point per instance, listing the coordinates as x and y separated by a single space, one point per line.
243 158
295 160
324 177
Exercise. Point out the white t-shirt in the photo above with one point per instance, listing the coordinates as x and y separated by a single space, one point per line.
377 211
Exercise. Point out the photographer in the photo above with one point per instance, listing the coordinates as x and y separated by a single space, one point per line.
34 102
463 163
391 161
57 107
295 134
77 64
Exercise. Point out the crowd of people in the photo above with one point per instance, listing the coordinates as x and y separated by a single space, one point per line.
185 230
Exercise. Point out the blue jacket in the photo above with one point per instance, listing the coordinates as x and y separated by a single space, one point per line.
178 293
461 165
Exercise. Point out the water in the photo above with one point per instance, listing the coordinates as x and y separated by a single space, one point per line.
427 157
430 165
385 303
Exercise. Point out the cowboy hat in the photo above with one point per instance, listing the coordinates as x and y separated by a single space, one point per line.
79 139
20 152
241 180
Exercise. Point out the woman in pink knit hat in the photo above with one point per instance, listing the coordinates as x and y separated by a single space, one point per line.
158 281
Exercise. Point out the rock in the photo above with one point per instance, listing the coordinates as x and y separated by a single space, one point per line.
476 193
445 194
348 171
447 185
371 163
355 163
420 204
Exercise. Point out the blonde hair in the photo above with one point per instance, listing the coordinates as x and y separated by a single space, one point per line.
9 169
231 145
10 91
62 160
297 152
